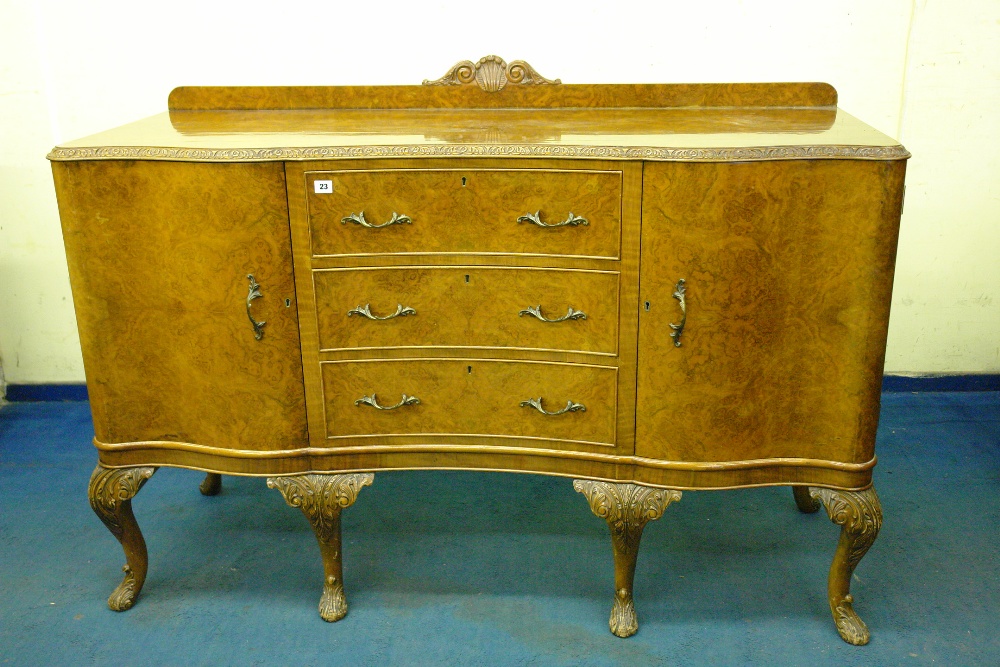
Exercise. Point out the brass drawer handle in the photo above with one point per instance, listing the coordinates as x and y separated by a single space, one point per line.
679 291
571 314
359 219
536 403
365 311
254 293
571 221
373 401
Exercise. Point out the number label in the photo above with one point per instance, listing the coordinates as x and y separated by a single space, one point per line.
323 187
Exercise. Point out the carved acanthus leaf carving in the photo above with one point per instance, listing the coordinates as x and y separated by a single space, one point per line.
626 507
624 622
491 74
860 514
519 71
321 497
109 488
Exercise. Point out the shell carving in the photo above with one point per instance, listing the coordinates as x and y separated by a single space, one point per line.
491 74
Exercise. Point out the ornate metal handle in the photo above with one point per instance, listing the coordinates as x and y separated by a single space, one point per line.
679 290
373 401
359 219
536 403
571 314
365 311
254 293
571 221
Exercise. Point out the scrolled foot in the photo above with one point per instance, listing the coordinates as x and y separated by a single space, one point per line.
623 621
859 514
123 597
850 626
805 502
211 485
333 603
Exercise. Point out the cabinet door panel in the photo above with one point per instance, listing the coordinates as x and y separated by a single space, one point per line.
788 269
159 255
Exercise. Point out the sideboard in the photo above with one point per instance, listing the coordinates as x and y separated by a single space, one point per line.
646 288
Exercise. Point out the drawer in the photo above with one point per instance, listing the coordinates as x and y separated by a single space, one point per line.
468 307
470 397
473 211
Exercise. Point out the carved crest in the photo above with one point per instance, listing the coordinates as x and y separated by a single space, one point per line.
491 74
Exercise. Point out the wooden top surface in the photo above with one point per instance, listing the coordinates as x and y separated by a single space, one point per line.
702 122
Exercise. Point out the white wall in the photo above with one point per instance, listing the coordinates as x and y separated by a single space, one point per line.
946 301
925 72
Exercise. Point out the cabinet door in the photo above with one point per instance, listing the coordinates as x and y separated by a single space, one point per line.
788 276
159 255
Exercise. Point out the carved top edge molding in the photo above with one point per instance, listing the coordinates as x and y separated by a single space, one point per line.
755 153
491 74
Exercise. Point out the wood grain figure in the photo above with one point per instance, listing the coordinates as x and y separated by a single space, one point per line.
646 288
467 211
469 306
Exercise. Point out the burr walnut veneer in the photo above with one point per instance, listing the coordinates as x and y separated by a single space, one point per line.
646 288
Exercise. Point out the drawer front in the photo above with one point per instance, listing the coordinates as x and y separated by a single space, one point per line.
566 310
471 397
474 211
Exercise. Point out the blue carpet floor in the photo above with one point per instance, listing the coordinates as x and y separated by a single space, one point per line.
486 569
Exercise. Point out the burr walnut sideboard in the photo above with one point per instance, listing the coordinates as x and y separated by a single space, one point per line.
644 288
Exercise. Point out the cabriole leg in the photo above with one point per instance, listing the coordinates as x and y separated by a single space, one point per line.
627 508
111 491
805 502
211 485
321 498
859 514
